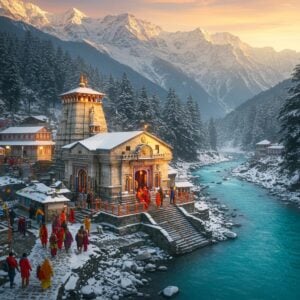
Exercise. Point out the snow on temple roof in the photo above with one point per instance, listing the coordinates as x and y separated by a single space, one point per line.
106 141
22 129
172 171
83 90
40 118
183 184
41 193
264 142
26 143
276 146
7 180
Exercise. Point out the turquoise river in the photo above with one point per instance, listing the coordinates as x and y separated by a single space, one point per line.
262 263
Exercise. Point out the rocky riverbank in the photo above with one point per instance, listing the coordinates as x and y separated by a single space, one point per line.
267 173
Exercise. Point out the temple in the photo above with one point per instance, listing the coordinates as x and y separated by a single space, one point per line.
124 172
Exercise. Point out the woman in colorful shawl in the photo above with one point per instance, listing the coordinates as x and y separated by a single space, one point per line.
44 235
85 240
68 240
45 274
25 270
60 237
72 216
53 244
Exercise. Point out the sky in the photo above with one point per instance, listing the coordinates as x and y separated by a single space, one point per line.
260 23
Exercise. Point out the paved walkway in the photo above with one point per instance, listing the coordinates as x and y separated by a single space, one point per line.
62 266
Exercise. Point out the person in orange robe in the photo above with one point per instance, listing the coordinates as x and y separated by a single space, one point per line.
44 235
158 199
60 237
63 217
72 216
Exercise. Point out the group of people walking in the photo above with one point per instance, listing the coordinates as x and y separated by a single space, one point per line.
44 271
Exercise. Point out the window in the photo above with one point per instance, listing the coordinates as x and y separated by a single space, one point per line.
157 148
127 148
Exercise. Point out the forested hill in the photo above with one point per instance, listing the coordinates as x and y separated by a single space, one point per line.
100 61
254 120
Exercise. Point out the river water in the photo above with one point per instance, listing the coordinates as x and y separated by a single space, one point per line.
262 263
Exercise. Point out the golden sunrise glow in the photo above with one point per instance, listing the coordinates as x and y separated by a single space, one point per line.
260 23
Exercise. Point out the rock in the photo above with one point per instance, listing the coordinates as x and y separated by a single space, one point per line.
88 293
150 268
126 283
170 291
230 234
143 256
127 265
162 268
115 297
99 229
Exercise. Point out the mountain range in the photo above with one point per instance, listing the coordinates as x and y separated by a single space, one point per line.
219 70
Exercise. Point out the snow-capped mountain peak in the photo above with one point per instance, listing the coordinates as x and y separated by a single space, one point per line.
27 12
140 29
71 16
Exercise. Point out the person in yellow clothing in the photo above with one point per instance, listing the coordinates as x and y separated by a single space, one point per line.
87 224
39 216
45 273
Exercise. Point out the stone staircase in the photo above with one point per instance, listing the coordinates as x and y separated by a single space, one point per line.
186 237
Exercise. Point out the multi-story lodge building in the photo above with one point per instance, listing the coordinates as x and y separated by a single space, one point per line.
27 143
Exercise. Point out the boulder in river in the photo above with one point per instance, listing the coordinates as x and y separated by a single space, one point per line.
143 255
170 291
230 234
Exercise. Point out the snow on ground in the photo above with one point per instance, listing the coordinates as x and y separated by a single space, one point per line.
266 172
63 264
105 271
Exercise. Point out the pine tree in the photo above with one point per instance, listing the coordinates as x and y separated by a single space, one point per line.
289 117
11 81
212 134
125 104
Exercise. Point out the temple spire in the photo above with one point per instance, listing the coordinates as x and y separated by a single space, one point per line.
83 81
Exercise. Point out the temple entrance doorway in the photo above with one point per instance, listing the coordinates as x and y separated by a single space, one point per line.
82 181
141 179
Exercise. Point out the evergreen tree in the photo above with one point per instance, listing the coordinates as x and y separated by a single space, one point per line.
212 134
11 81
290 125
125 104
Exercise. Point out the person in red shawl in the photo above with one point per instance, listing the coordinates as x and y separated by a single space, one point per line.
12 266
53 244
60 237
44 235
25 270
72 216
157 199
63 217
146 196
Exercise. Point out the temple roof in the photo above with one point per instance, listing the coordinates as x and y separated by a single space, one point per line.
82 90
105 141
22 129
